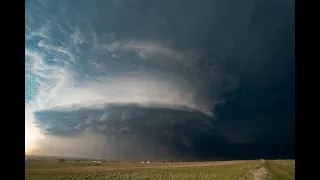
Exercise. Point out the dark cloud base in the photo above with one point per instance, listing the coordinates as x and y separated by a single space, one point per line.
132 132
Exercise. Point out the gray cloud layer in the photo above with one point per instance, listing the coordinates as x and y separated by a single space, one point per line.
154 72
130 130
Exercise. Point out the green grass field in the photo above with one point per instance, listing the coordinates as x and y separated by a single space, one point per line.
237 170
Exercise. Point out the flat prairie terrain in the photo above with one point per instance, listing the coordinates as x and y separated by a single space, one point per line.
224 170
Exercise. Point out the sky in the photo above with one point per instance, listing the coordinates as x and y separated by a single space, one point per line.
179 79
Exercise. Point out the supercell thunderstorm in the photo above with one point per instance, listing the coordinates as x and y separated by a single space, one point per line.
83 82
123 80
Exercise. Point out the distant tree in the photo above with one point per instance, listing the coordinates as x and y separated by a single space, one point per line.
62 160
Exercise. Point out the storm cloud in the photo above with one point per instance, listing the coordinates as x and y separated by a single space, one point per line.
148 131
161 79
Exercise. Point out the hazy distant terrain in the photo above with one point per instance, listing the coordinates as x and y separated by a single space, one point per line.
86 169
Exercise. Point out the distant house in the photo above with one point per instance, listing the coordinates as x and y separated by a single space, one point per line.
143 162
